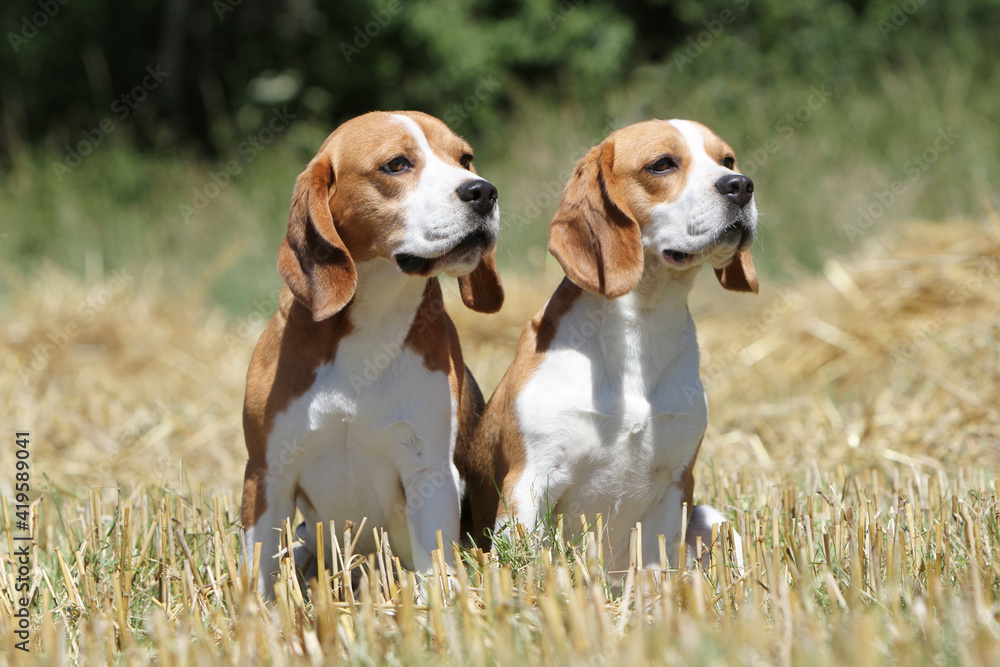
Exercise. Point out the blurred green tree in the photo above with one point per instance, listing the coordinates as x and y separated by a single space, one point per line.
226 64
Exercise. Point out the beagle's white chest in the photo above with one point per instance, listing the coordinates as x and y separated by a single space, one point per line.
608 423
358 431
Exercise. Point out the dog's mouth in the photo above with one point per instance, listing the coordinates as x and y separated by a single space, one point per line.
415 265
735 234
736 231
676 257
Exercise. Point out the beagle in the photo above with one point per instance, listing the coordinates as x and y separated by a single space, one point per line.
357 392
602 410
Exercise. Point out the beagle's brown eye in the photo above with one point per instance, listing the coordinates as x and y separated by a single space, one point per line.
396 165
729 162
466 160
662 165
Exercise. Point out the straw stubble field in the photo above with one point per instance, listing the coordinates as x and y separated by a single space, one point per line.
854 441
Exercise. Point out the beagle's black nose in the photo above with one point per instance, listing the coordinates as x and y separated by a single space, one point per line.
480 194
736 187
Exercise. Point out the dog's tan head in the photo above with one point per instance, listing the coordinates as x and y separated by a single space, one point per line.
665 191
399 186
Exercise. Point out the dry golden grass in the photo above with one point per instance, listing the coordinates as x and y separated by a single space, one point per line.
854 441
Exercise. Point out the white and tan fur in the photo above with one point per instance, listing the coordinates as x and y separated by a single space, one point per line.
602 410
357 392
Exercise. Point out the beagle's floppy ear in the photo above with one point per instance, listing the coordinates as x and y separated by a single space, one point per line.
313 260
481 289
739 275
593 234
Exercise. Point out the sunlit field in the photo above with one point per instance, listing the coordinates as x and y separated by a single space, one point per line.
853 443
147 161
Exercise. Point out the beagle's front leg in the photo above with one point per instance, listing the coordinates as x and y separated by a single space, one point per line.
431 489
279 504
664 519
530 499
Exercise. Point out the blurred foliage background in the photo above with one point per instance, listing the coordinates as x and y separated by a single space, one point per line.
169 133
